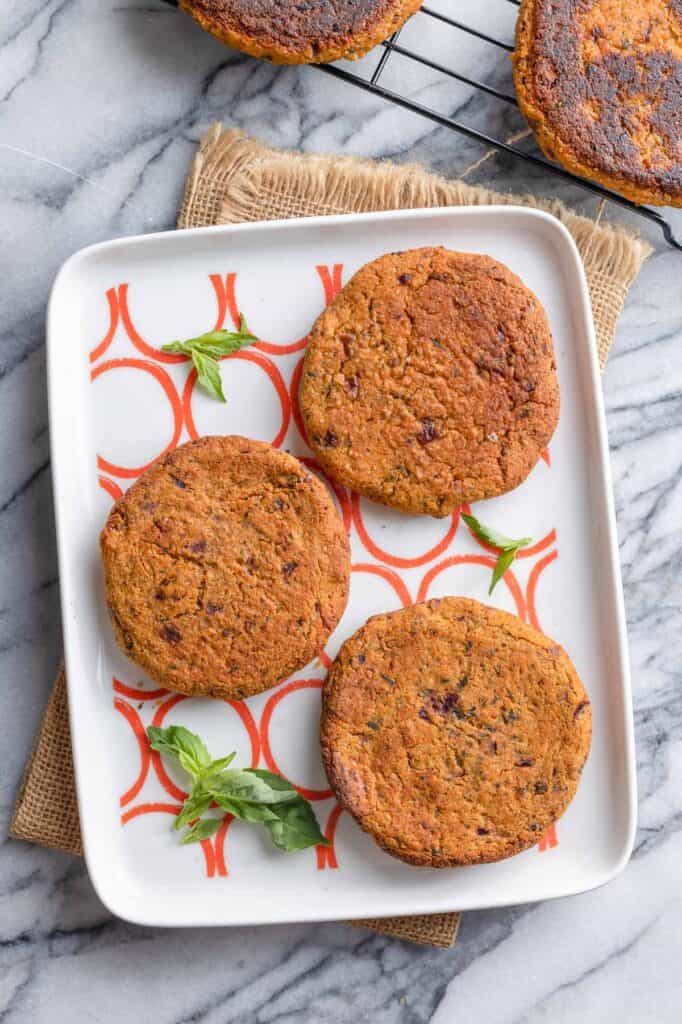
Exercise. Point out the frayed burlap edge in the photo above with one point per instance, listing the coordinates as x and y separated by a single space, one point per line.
424 929
233 179
46 810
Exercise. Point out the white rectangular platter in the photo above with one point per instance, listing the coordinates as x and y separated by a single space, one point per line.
117 403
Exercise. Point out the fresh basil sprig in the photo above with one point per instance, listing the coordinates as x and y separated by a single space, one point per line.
206 350
250 794
507 547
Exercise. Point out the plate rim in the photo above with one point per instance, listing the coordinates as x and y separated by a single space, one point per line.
101 880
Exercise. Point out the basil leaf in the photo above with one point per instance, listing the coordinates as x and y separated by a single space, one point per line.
277 782
246 786
296 827
256 813
292 826
250 794
492 537
221 763
503 562
208 374
215 343
207 348
183 744
203 829
198 801
507 546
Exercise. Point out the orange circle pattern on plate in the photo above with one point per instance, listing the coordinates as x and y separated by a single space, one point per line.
273 373
225 293
331 282
529 552
161 774
395 560
138 341
509 578
137 694
172 396
111 487
133 719
220 837
294 389
533 578
549 839
224 288
390 576
326 855
155 808
241 710
273 701
99 350
151 808
259 734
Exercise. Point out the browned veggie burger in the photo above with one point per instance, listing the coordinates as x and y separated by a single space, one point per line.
453 732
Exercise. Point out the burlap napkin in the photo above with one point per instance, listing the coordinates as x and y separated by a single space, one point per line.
233 179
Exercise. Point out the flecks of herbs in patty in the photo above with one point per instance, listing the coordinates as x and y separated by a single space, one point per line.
207 349
506 546
250 794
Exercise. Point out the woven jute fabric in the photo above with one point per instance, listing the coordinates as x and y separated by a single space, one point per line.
234 179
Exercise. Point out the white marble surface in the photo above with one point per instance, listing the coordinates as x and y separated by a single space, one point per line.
101 105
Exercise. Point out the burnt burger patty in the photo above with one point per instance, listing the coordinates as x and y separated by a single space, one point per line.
298 32
600 82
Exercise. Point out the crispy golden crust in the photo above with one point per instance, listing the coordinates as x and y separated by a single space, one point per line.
226 568
453 733
430 381
600 82
293 32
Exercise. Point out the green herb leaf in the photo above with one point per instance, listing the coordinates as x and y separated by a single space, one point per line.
208 375
206 349
297 827
277 782
492 537
222 762
185 745
215 343
246 786
250 794
292 825
198 801
203 829
503 562
256 813
286 815
507 546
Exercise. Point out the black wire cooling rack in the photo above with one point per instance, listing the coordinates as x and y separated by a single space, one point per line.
392 46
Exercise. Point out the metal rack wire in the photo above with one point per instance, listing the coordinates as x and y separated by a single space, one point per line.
392 46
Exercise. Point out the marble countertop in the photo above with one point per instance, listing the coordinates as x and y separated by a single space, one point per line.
102 103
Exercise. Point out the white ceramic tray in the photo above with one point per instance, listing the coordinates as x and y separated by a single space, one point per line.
116 403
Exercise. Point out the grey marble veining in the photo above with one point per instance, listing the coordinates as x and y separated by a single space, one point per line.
102 103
